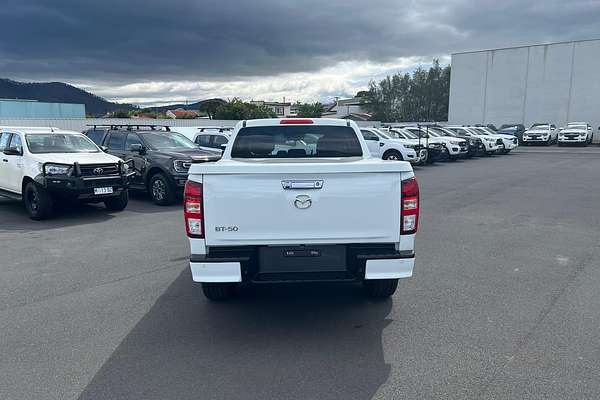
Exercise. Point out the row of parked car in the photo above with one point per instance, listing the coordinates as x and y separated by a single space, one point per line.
430 143
574 133
43 166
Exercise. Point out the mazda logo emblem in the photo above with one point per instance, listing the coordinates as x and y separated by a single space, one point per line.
302 202
98 171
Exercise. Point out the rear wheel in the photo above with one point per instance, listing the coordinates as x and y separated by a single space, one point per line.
118 203
381 288
160 190
38 201
393 155
218 291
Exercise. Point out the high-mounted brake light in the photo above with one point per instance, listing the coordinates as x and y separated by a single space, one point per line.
296 121
193 209
409 213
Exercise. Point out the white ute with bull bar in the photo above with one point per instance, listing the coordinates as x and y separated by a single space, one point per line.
291 201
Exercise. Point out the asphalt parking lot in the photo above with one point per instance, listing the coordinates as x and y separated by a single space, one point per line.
504 303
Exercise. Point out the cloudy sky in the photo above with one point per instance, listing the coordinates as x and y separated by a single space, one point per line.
153 51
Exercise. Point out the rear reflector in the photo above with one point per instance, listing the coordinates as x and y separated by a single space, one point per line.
409 213
193 209
296 121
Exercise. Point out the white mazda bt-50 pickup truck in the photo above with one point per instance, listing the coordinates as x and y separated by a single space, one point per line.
42 166
286 203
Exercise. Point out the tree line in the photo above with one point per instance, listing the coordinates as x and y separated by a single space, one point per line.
422 96
234 109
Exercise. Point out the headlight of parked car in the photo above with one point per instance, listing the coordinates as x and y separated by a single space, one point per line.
181 165
126 166
57 169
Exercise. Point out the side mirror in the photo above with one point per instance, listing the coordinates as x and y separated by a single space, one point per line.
104 148
223 147
13 152
137 148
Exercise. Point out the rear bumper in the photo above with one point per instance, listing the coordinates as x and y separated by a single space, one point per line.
242 264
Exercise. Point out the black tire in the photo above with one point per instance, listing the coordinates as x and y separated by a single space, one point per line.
118 203
394 155
38 202
160 190
218 291
446 154
381 288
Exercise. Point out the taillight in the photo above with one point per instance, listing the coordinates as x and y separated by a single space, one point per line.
409 213
193 209
296 121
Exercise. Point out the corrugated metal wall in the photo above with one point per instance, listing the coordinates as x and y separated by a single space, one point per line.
38 109
555 83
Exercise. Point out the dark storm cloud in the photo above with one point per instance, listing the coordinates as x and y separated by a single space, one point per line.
121 41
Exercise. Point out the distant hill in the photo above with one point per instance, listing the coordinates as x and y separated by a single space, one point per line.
59 92
189 106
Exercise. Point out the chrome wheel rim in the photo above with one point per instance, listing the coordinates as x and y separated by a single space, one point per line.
158 189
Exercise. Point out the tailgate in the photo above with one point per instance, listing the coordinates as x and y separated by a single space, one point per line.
256 209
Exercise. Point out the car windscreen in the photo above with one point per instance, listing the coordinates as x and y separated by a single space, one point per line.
304 141
432 133
383 134
540 126
409 135
167 140
442 132
60 143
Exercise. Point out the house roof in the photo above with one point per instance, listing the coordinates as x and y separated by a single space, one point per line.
358 116
180 112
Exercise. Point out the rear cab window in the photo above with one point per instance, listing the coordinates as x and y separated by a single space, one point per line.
302 141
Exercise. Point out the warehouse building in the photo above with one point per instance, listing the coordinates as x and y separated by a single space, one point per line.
556 83
32 109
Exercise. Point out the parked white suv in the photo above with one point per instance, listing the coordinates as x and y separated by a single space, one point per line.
509 142
575 133
41 165
543 133
454 147
207 137
286 203
490 144
382 146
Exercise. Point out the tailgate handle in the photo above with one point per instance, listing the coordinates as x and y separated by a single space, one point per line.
304 184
